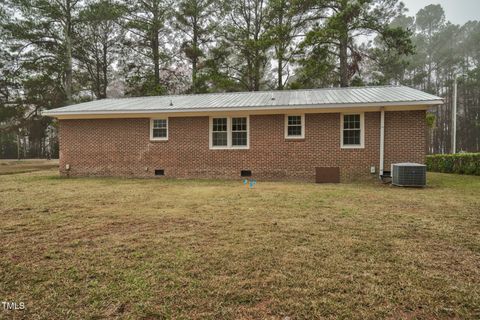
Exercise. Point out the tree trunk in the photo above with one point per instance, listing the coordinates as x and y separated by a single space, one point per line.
343 54
98 78
194 75
249 74
280 51
24 147
68 70
256 83
155 42
280 73
156 56
18 145
105 72
195 55
68 53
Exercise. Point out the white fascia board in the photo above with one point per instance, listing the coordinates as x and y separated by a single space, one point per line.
52 112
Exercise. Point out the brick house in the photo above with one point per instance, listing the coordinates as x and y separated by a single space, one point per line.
310 135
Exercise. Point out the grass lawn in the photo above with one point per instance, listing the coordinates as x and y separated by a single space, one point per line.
21 166
92 248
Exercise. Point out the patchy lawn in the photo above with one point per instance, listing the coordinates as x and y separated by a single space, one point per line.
30 165
153 249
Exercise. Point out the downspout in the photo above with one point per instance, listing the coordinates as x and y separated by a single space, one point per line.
382 138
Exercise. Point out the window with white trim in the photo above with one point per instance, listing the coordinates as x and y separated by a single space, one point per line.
220 132
229 133
294 126
239 132
352 130
159 129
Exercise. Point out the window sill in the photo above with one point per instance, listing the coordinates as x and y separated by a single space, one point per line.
159 140
352 147
229 148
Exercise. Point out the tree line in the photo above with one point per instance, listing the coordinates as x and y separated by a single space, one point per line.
59 52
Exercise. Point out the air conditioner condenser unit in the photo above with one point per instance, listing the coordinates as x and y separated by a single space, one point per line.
409 174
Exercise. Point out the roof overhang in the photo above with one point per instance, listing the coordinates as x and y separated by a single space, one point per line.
333 108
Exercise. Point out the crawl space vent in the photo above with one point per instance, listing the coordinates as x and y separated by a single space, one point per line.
246 173
327 174
159 172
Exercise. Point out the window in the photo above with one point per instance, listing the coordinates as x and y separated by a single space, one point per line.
239 131
229 133
159 129
352 134
294 126
220 132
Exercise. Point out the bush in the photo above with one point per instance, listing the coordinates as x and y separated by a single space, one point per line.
462 163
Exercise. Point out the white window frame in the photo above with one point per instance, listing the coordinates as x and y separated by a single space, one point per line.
152 138
229 133
302 136
362 131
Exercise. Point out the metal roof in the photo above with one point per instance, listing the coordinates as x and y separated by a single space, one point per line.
259 100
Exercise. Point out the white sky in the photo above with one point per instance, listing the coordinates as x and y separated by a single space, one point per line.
456 11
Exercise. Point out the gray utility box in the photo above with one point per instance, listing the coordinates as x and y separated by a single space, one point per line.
409 174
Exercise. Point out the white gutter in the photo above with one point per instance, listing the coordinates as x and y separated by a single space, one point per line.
382 138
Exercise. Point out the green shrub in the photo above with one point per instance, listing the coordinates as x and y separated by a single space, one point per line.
462 163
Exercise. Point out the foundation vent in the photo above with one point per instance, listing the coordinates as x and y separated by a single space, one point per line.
159 172
245 173
327 174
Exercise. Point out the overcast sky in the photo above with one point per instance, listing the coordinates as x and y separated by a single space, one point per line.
456 11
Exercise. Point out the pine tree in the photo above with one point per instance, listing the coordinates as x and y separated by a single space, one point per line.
197 21
285 24
98 40
246 41
348 21
147 24
44 33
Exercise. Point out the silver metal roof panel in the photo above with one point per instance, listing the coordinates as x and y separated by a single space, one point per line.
259 100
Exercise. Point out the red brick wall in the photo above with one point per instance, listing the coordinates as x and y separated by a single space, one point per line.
121 147
405 137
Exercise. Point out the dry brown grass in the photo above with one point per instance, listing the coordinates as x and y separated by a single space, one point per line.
21 166
153 249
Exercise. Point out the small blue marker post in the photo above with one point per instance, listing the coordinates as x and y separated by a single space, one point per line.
252 182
